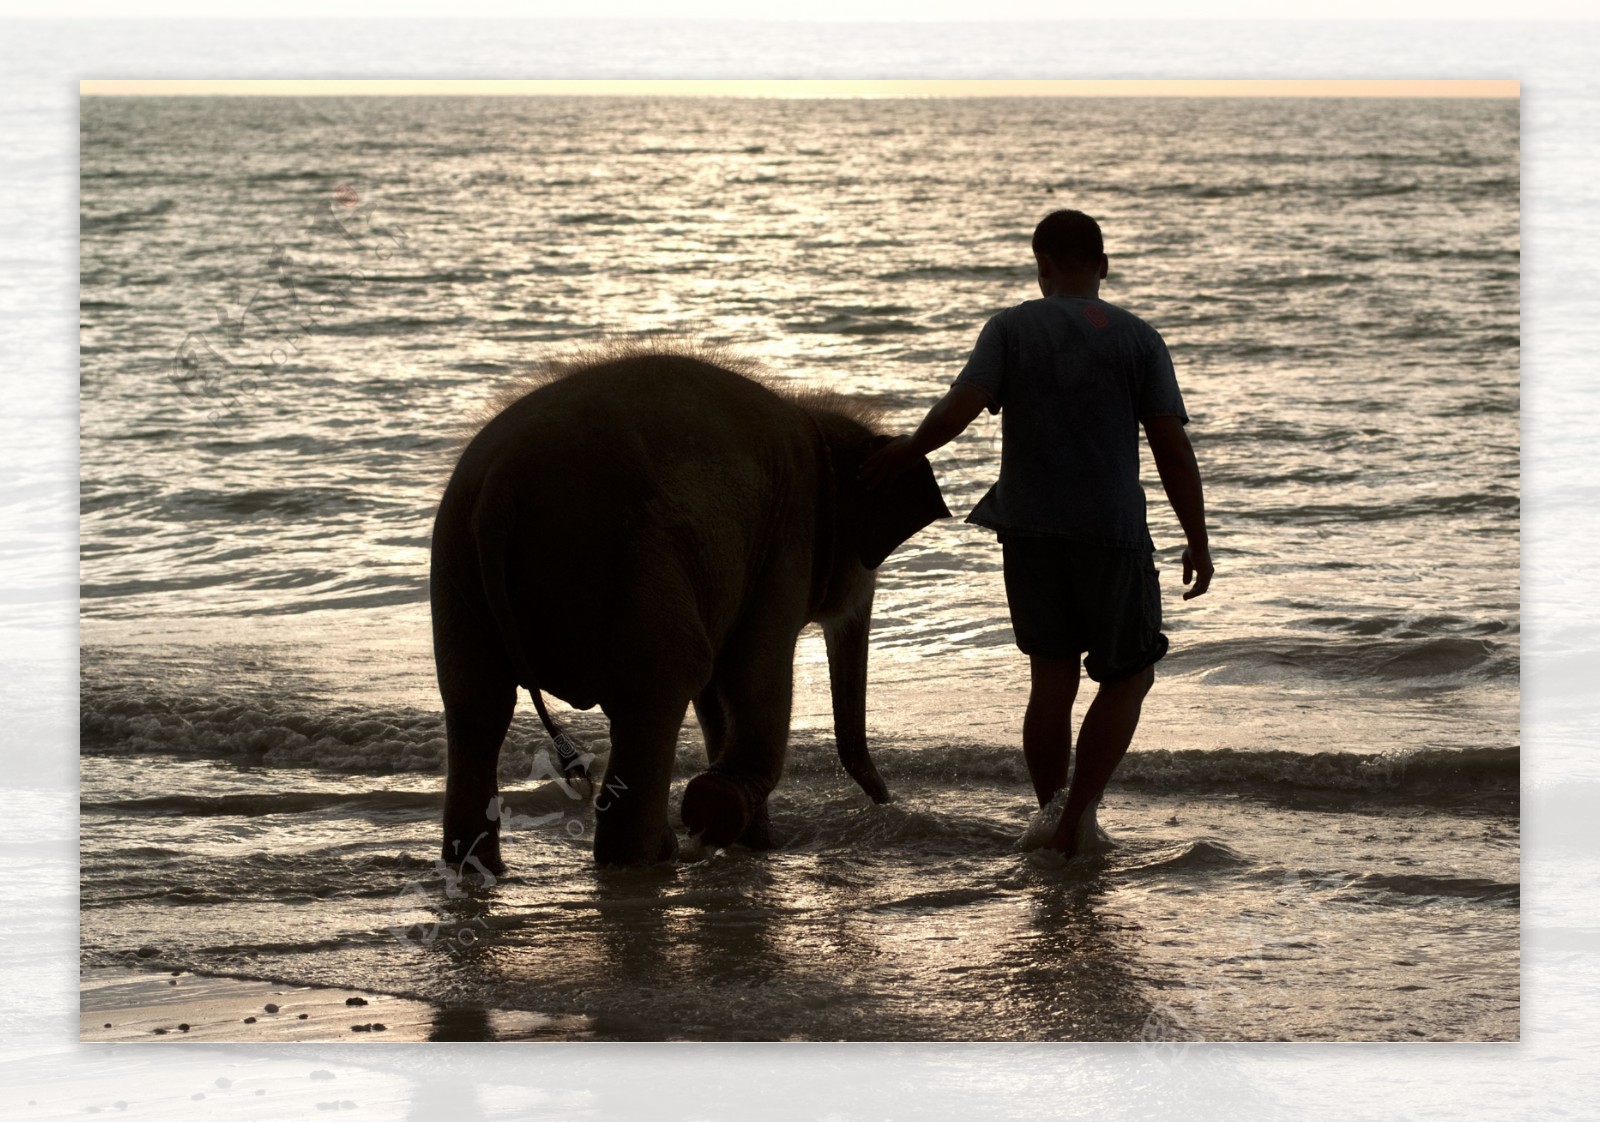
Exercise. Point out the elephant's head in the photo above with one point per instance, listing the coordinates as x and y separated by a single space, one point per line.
887 515
868 522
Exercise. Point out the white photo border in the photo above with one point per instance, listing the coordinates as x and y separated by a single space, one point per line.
1547 1075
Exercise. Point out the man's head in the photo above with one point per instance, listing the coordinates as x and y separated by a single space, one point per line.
1071 254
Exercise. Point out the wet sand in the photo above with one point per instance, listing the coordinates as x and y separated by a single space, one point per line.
160 1006
1214 918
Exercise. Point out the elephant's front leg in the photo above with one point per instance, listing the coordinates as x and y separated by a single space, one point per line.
630 808
712 714
755 682
846 638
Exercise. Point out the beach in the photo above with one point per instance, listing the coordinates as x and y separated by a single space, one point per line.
1252 895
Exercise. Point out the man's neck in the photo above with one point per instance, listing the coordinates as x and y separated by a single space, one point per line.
1079 292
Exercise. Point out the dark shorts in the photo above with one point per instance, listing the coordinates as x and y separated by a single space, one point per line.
1068 598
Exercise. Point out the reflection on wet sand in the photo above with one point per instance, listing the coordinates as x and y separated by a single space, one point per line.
1076 972
810 946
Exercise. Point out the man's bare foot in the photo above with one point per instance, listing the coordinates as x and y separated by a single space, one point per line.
1083 838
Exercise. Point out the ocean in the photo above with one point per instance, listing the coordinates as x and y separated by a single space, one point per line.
291 307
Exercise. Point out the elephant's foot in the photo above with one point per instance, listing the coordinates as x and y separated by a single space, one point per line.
758 835
478 852
721 809
616 845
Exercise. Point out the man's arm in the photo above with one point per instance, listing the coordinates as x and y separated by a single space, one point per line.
1180 477
950 415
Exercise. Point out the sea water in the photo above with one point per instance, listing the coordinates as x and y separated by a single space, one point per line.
292 307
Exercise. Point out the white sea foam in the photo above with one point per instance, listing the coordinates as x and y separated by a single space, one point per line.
1091 837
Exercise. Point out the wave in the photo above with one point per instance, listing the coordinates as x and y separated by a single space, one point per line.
1427 886
126 220
851 325
1203 854
1421 507
1209 855
1412 656
387 326
314 591
1377 625
941 899
293 175
116 876
1422 775
274 803
294 503
279 734
1378 187
1019 273
598 218
1381 888
391 741
1433 776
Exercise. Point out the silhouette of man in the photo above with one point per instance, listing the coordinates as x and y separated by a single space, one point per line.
1074 378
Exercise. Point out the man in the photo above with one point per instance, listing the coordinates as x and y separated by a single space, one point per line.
1073 379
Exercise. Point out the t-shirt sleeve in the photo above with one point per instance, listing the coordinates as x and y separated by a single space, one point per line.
986 367
1158 383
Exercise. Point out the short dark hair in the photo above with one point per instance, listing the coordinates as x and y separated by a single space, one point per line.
1068 236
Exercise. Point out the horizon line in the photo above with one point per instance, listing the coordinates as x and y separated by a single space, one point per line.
804 88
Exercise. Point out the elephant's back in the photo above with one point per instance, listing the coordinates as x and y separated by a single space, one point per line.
638 431
635 501
657 400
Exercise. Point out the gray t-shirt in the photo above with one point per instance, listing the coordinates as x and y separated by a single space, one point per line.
1072 379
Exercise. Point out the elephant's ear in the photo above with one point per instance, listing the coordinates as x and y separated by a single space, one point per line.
892 512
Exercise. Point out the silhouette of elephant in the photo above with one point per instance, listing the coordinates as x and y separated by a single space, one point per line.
645 532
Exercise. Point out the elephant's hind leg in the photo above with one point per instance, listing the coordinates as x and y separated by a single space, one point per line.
475 725
630 820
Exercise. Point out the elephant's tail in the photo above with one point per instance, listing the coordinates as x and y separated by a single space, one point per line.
571 758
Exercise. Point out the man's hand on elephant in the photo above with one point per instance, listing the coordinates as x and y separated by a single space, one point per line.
949 416
888 462
1198 568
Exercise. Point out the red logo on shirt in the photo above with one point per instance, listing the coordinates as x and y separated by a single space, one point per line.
1096 315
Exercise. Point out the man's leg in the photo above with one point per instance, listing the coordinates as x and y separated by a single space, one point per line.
1047 726
1102 742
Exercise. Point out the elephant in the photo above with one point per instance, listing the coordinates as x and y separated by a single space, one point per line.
646 532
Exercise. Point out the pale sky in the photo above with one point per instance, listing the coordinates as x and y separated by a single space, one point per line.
849 11
845 88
